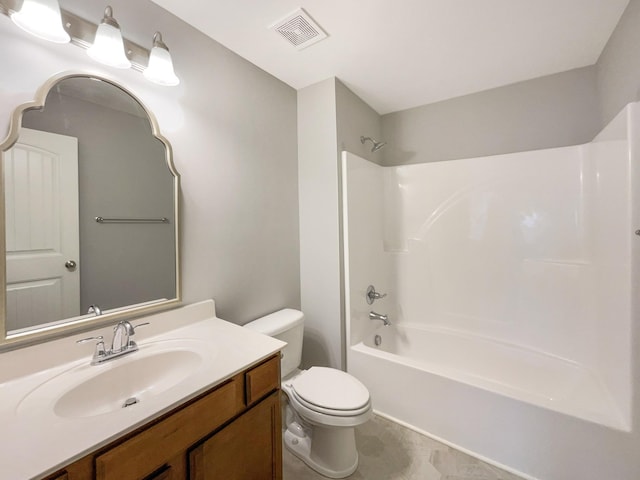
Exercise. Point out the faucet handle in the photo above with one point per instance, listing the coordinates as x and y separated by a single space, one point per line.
84 340
99 351
372 295
132 330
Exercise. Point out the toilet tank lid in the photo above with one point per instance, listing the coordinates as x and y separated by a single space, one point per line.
277 322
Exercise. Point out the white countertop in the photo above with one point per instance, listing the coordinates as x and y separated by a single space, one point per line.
35 441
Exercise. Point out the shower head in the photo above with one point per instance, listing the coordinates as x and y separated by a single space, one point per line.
376 145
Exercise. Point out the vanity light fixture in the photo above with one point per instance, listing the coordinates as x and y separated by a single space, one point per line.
41 18
108 46
160 68
104 43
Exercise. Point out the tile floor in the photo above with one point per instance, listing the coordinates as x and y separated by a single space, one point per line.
389 451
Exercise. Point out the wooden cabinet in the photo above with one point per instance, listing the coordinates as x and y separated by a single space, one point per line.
167 472
246 449
61 476
231 432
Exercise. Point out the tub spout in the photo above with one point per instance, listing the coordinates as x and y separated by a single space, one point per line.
379 316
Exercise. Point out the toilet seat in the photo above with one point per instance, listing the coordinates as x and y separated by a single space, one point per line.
331 391
329 411
328 396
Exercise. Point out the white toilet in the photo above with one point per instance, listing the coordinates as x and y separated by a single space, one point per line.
324 404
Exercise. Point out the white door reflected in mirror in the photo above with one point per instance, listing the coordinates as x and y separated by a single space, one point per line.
41 210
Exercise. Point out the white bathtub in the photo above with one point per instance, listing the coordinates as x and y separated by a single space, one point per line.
529 413
500 368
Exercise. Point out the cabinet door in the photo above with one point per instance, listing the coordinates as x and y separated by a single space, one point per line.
250 448
165 473
60 476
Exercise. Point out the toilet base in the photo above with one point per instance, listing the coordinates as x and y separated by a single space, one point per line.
331 452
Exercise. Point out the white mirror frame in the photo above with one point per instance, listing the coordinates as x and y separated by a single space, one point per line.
84 322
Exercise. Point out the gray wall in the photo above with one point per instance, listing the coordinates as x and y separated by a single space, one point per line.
551 111
331 118
355 118
619 65
233 132
319 225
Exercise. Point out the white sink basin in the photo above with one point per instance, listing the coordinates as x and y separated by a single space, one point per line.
133 382
88 391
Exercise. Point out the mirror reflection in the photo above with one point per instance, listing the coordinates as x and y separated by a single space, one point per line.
90 201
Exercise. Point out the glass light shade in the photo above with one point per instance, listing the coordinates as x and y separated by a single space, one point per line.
42 19
160 69
108 46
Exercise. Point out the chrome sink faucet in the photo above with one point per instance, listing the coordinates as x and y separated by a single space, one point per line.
122 334
121 344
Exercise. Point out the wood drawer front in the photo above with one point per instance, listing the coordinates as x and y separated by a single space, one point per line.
147 451
262 380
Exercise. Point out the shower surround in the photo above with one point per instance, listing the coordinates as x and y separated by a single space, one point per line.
509 282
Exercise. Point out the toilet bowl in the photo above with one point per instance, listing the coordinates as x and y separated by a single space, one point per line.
325 405
322 406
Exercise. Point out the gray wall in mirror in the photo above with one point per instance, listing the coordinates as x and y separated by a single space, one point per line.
122 172
233 132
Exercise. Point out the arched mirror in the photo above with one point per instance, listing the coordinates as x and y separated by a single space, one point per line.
90 211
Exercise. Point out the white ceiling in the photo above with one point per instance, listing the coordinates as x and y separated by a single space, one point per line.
405 53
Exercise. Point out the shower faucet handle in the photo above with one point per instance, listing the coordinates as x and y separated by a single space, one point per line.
372 295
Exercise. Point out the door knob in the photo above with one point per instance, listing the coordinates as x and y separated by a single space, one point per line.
71 265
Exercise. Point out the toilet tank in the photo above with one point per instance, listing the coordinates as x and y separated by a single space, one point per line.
286 325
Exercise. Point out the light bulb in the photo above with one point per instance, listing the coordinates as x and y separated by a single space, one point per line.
160 68
41 18
108 46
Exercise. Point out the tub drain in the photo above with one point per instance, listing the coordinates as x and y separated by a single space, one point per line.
377 340
130 401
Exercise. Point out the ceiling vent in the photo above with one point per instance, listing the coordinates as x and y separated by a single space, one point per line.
299 29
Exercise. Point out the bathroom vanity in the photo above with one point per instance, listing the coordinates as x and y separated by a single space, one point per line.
230 432
207 405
